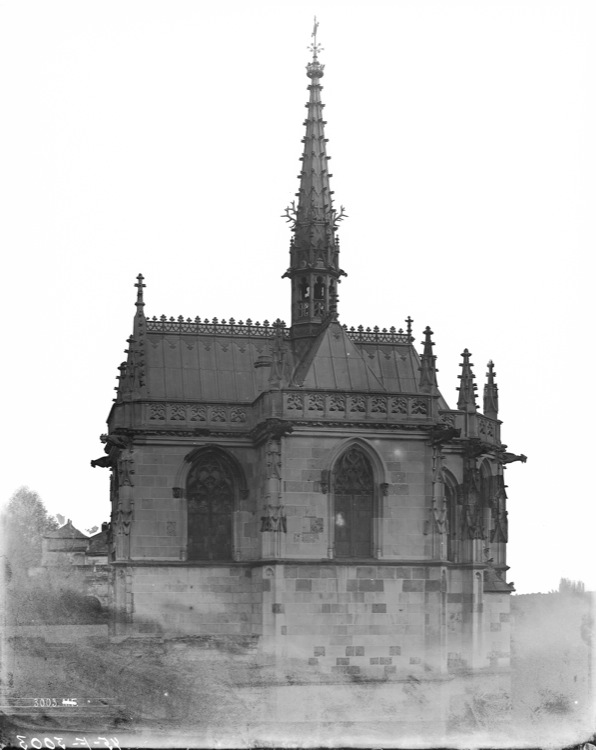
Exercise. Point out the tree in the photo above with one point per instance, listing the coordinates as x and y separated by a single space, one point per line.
24 522
567 586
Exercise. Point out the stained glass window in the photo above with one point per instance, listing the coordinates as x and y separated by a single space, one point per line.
210 493
354 502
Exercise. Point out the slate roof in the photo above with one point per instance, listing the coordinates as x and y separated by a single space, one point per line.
218 362
67 531
204 368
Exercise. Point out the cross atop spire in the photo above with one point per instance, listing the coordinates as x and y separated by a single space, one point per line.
315 48
140 286
314 252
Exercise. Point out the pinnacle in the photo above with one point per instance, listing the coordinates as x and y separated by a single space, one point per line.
427 369
467 387
491 393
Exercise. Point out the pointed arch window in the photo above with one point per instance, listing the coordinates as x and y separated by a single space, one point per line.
211 489
354 486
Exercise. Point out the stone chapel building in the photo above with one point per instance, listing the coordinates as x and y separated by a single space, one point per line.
306 487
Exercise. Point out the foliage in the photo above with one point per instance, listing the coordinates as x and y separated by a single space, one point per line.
567 586
24 522
40 603
554 703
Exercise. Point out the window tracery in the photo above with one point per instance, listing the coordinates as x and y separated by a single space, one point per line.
354 504
211 489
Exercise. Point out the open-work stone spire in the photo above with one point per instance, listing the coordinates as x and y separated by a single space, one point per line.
314 252
491 393
467 386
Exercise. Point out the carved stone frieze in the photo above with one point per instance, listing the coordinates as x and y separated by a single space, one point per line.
157 412
354 406
294 402
399 405
357 404
378 404
337 403
208 413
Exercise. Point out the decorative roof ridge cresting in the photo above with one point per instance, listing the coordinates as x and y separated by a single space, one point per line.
232 327
214 327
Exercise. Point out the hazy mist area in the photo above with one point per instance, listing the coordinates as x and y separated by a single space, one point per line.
66 675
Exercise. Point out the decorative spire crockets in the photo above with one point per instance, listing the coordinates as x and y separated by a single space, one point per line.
132 372
428 370
314 252
491 393
467 387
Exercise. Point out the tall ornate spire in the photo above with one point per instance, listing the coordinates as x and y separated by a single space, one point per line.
314 252
491 393
467 387
428 370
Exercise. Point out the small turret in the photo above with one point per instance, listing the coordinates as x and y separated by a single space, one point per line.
491 394
467 387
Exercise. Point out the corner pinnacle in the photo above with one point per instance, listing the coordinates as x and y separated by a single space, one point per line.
491 394
467 387
427 369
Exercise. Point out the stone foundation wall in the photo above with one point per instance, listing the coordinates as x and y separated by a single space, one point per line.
195 600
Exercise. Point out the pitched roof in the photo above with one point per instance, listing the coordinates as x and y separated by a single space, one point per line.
334 362
205 367
67 531
98 543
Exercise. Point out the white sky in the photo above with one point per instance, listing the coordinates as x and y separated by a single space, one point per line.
164 137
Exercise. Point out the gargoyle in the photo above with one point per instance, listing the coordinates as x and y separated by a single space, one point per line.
509 458
104 462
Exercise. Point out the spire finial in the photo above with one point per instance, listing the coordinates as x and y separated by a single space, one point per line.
140 286
428 370
467 387
491 393
314 69
409 322
315 47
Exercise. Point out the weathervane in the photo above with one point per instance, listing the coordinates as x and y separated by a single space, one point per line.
315 48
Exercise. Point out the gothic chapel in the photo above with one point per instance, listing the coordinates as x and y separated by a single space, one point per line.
305 492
